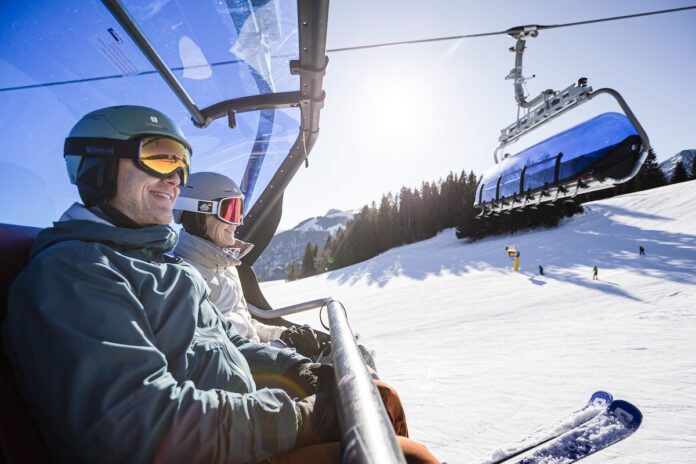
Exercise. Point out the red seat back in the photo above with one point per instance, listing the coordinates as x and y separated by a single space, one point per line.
20 440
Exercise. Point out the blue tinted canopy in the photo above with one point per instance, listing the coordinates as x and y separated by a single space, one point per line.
593 148
61 60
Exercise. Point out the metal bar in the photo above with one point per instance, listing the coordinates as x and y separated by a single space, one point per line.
561 101
251 103
312 24
645 141
367 434
124 18
293 309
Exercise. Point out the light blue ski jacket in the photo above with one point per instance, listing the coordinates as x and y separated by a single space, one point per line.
123 358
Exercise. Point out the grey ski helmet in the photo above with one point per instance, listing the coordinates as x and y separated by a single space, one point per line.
92 149
197 197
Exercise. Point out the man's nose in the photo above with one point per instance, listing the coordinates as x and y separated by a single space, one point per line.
173 179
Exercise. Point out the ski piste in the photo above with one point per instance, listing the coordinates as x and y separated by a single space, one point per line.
598 403
616 423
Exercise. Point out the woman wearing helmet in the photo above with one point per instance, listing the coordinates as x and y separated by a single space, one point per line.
210 208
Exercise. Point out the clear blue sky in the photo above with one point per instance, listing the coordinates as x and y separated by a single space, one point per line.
393 116
397 116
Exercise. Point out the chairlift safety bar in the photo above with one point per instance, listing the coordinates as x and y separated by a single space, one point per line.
569 98
287 310
202 118
367 435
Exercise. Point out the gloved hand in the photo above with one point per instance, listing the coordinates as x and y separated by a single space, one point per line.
317 420
302 338
304 379
324 340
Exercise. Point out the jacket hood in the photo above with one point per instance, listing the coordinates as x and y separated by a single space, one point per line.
82 224
208 254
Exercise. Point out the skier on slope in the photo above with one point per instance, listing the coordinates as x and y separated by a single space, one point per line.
595 271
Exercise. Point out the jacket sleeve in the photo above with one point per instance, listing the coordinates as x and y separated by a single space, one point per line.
264 360
267 332
87 360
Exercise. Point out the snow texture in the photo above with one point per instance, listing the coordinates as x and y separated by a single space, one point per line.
481 355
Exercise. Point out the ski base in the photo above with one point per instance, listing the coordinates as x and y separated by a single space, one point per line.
597 403
619 421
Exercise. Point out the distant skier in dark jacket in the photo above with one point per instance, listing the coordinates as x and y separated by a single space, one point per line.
641 251
541 270
594 273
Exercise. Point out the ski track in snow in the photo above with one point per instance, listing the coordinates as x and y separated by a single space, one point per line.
481 356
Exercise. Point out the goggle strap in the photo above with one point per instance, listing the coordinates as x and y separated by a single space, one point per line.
101 148
197 206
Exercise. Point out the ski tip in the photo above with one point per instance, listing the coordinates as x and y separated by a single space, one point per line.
601 398
627 413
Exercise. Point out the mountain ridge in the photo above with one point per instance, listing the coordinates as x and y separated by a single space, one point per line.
289 245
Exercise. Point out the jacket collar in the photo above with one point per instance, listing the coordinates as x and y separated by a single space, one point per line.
87 225
208 254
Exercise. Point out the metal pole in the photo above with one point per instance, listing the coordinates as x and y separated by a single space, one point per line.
124 18
367 434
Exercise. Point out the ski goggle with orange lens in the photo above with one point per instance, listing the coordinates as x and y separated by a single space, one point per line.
158 156
229 210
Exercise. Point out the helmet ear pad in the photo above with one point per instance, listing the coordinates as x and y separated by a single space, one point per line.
194 224
96 180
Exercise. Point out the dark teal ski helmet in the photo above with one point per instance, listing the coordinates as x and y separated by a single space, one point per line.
96 143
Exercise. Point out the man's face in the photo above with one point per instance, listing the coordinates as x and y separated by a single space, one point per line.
145 199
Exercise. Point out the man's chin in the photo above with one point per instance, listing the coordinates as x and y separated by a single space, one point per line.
162 218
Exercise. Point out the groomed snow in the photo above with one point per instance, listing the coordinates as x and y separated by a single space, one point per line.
482 355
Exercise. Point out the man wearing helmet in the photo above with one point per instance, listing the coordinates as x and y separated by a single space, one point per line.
116 346
210 208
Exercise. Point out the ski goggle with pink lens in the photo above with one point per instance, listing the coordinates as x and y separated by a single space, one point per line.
229 210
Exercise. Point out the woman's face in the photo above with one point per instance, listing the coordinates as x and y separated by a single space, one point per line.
221 233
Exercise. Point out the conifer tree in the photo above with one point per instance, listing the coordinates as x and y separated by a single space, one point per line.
291 273
679 174
650 174
307 266
387 233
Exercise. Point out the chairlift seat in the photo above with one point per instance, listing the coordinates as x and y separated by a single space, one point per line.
20 439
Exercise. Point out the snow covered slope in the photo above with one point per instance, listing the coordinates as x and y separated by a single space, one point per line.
482 355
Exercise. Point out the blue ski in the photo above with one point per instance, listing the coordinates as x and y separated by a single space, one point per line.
616 423
597 404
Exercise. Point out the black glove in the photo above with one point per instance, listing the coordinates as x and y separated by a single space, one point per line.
317 420
302 338
324 340
305 379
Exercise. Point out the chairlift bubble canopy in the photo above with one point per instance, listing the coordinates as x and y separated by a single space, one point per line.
251 65
605 146
597 154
